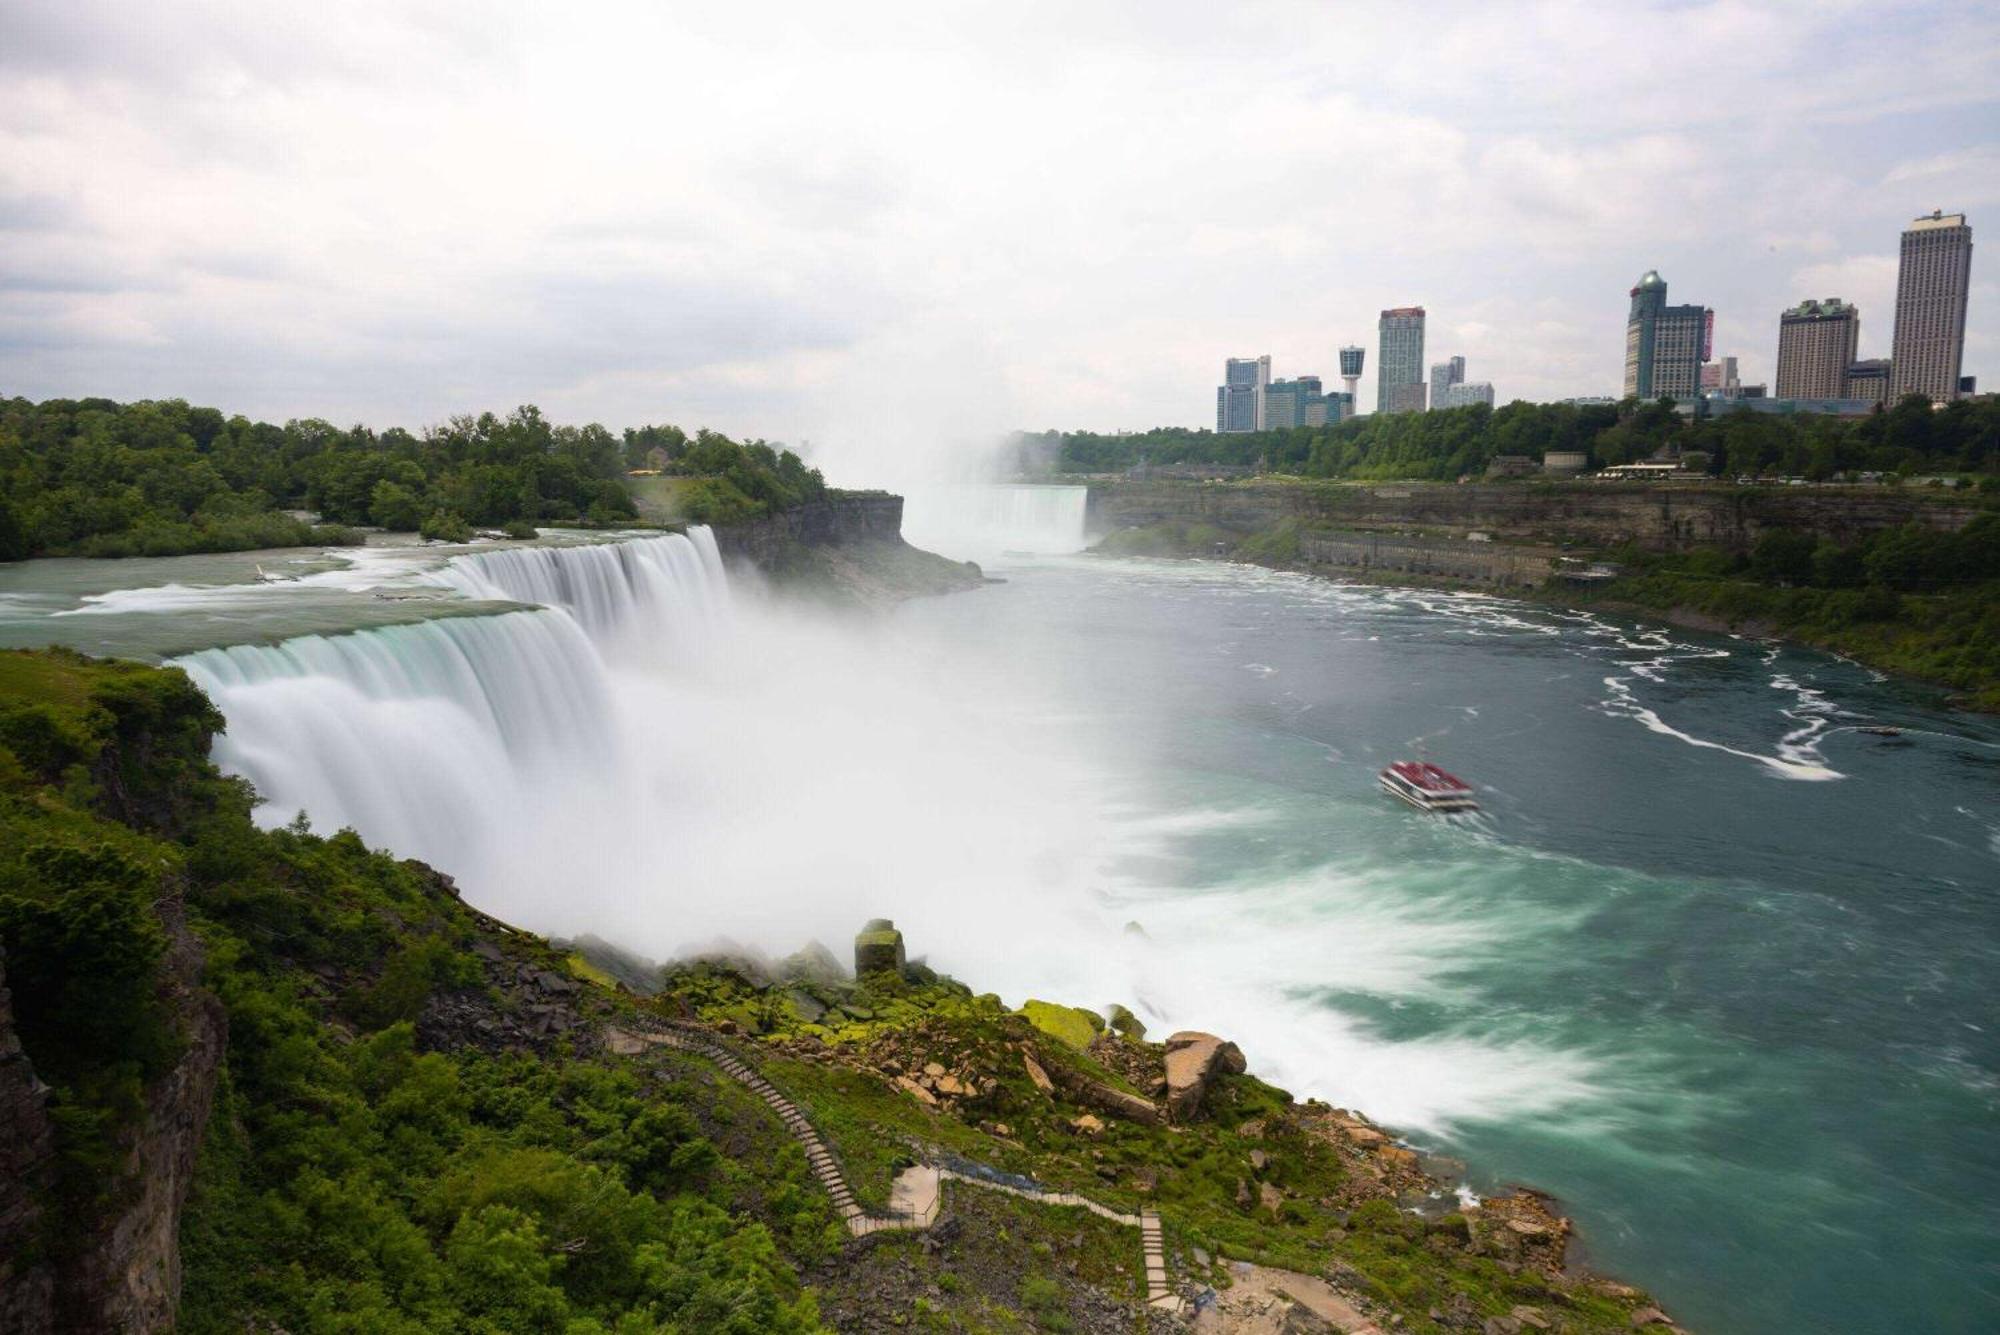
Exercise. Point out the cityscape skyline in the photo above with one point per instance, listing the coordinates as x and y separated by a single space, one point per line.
1670 353
192 207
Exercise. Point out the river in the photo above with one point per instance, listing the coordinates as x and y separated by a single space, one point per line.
1713 966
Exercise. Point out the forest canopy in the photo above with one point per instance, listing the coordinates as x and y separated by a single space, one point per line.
1910 437
90 477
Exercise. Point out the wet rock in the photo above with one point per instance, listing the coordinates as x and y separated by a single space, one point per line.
1194 1059
878 948
806 1006
1123 1021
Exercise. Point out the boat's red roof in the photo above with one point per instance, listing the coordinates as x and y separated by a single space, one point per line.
1429 777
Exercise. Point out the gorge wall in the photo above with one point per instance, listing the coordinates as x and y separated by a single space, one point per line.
848 547
1663 517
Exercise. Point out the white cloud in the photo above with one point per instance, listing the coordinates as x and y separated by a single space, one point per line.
901 227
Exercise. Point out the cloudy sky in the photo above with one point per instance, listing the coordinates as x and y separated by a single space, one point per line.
893 229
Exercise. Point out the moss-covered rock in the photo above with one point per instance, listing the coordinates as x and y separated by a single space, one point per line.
1072 1024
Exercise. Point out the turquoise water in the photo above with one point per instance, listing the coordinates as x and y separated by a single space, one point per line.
1712 966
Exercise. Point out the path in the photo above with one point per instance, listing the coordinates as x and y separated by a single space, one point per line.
916 1194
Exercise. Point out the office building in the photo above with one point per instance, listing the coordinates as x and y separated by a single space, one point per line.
1239 401
1292 403
1720 377
1868 381
1443 376
1665 346
1817 341
1467 392
1935 273
1399 367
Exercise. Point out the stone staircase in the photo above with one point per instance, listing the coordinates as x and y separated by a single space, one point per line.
916 1195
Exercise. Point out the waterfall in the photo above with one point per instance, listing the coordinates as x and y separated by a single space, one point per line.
463 740
668 586
968 520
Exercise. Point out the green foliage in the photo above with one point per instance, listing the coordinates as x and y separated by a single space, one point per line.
1963 437
445 526
95 478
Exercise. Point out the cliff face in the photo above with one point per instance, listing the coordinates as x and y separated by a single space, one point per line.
1665 517
27 1166
848 547
127 1276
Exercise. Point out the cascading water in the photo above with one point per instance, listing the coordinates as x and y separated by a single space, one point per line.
979 521
669 587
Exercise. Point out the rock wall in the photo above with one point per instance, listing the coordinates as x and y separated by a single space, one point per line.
27 1164
848 548
839 520
1661 516
1436 558
126 1274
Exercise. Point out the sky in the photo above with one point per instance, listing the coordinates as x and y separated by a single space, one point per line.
893 231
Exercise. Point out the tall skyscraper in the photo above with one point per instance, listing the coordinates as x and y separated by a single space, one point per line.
1350 372
1931 286
1443 376
1816 345
1239 400
1399 370
1664 345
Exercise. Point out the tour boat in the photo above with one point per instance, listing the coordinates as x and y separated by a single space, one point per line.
1428 788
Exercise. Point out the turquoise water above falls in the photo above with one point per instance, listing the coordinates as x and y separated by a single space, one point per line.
1713 966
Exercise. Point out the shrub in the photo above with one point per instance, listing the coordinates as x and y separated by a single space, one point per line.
445 526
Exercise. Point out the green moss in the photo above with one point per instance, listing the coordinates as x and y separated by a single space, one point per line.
1073 1025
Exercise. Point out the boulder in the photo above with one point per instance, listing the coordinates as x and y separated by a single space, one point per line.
1088 1125
1123 1021
806 1006
1038 1075
878 948
1194 1059
916 1091
815 964
1073 1025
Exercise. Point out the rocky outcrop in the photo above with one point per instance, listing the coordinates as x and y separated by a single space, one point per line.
848 546
126 1274
27 1167
1194 1059
878 948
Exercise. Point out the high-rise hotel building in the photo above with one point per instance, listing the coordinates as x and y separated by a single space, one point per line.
1399 366
1239 400
1664 345
1931 286
1817 341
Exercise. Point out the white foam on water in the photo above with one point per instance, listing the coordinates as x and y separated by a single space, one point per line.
1622 703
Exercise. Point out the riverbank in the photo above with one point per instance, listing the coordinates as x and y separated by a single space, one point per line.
1889 580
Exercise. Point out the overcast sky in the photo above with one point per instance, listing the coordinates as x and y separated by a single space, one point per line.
897 228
